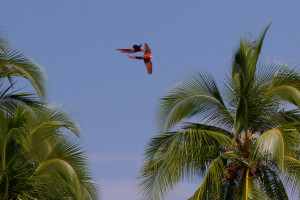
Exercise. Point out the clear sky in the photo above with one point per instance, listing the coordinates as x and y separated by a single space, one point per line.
112 96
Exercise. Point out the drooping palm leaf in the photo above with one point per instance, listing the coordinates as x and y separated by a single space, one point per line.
15 63
196 96
172 156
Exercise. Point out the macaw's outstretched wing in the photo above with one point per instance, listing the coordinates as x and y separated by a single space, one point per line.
132 57
147 50
136 57
125 50
148 64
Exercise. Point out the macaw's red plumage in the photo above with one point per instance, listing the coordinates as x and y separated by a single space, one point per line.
136 48
147 56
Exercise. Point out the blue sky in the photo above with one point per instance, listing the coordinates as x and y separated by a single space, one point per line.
113 97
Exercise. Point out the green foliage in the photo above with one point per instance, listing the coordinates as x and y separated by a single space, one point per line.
13 63
40 156
39 161
246 143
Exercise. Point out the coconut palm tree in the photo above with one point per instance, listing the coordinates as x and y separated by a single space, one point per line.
242 139
40 158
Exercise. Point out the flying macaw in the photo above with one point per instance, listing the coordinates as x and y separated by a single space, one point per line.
136 48
147 56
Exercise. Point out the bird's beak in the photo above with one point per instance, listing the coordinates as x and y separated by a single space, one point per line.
151 56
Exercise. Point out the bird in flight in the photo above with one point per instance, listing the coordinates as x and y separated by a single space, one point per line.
135 48
147 58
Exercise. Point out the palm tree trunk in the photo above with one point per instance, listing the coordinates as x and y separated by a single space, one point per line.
247 179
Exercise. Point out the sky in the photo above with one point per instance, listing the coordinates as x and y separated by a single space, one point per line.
111 96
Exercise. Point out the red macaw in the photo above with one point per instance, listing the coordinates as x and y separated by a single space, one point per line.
147 56
136 48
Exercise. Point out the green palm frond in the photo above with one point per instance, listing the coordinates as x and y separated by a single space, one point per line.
258 45
242 82
275 144
291 116
48 120
3 39
171 157
10 98
64 165
195 96
291 174
213 184
244 63
15 63
271 183
270 146
286 85
192 125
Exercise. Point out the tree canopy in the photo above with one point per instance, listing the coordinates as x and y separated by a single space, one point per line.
241 138
40 152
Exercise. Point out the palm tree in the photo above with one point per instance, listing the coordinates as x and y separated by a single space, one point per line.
40 155
40 158
242 139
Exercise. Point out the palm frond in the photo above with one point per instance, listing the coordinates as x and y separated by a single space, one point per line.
211 187
3 39
270 146
195 96
291 175
192 125
271 183
286 85
258 45
15 63
171 157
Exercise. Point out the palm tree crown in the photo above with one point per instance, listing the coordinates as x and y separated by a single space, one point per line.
243 139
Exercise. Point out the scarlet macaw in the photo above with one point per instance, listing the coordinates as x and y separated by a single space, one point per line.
136 48
147 56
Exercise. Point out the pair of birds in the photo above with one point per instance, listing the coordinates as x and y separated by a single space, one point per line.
147 55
